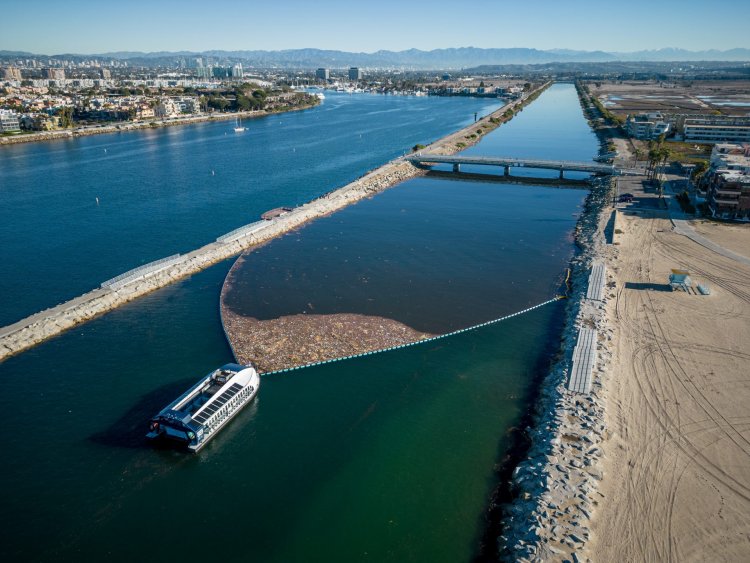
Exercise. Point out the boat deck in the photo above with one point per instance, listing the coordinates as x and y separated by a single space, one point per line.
217 403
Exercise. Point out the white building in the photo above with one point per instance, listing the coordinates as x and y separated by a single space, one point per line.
732 157
717 129
9 121
646 125
166 108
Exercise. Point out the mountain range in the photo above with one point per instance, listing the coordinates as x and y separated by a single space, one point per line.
452 58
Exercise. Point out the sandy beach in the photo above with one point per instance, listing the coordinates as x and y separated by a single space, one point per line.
652 465
677 484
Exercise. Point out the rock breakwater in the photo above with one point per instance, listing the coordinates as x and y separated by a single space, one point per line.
555 488
41 326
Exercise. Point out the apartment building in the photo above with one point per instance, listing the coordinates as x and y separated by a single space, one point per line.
647 126
728 181
717 129
9 121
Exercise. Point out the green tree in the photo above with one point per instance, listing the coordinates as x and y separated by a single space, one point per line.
699 171
66 117
638 154
218 102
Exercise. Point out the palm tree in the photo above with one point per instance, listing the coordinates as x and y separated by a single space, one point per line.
638 155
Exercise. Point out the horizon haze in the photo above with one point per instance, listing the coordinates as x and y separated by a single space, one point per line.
85 27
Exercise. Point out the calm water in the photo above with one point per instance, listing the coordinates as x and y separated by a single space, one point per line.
436 255
172 190
388 457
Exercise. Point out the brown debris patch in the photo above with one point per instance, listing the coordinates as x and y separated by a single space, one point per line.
296 340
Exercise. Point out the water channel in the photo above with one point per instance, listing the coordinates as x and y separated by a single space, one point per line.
389 457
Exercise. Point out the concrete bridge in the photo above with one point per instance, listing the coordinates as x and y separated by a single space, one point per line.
508 163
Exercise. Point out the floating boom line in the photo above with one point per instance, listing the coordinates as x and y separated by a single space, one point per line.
417 342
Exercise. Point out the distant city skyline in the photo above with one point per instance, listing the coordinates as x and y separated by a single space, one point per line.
88 27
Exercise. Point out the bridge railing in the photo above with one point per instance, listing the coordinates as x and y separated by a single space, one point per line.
516 162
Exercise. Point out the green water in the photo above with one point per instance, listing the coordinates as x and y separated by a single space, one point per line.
388 457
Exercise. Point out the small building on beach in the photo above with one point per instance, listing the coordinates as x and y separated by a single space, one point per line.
680 279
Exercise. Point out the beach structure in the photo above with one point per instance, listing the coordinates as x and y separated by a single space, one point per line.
597 277
680 279
584 360
274 213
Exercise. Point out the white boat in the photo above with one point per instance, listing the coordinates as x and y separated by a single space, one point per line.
238 128
320 95
197 415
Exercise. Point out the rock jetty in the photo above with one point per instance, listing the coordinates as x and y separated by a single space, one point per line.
555 488
40 326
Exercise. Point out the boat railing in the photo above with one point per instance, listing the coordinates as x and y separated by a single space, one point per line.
216 419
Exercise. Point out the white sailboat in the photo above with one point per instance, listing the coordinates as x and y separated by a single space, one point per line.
238 128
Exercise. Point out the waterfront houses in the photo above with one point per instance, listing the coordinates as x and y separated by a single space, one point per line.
9 121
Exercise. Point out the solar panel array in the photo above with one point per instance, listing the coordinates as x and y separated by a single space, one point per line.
217 403
596 282
584 359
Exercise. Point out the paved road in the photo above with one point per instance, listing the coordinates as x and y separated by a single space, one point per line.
683 227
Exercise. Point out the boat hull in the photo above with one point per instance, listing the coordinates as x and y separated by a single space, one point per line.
196 417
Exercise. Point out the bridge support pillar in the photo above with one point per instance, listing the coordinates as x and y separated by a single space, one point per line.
456 167
561 174
506 172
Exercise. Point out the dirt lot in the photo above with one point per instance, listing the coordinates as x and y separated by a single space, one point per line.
731 97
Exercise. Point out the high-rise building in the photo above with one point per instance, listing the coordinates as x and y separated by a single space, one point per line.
237 71
105 73
323 74
355 73
12 73
220 72
55 73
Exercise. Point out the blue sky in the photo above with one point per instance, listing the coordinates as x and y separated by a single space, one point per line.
86 26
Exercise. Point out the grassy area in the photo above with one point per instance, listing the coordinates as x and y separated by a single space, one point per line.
688 153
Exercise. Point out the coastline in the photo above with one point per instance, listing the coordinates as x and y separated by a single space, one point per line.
651 465
38 327
138 125
554 487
